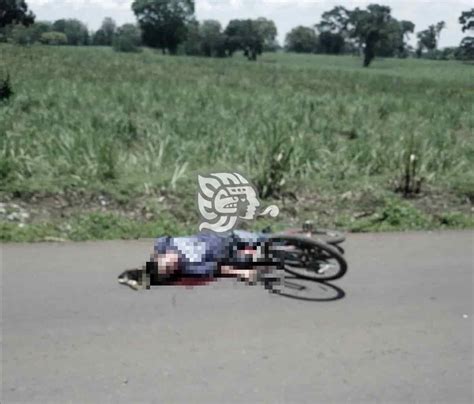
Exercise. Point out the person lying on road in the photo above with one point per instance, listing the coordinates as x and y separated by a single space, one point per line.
204 255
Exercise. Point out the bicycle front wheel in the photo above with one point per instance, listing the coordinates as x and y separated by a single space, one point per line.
309 258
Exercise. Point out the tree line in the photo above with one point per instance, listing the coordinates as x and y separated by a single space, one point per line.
72 32
375 32
171 26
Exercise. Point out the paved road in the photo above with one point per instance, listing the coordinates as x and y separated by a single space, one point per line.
403 331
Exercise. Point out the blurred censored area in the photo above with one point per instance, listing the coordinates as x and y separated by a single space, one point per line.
206 255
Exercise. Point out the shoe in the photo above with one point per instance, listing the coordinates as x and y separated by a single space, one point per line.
132 283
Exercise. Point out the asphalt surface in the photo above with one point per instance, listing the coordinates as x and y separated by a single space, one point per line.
401 333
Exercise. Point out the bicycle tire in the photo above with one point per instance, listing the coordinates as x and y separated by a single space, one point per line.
310 243
332 237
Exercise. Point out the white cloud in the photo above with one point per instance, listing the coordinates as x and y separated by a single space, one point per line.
203 5
38 2
77 4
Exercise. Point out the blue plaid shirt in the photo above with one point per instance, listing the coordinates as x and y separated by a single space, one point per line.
200 254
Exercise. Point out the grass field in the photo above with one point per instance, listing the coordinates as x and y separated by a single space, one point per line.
97 144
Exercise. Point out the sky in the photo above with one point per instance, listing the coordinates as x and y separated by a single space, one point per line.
287 14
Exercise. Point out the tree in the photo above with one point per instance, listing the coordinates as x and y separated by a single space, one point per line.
209 31
98 38
373 31
164 22
192 44
428 38
301 39
39 28
268 31
333 30
467 20
369 27
406 28
212 39
393 41
105 34
206 39
245 35
234 33
21 35
15 12
127 38
439 27
466 47
329 42
53 38
75 31
24 35
336 20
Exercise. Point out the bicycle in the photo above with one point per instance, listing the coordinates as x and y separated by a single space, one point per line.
305 254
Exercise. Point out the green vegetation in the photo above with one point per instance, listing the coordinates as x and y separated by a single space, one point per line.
127 39
111 144
90 226
53 38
